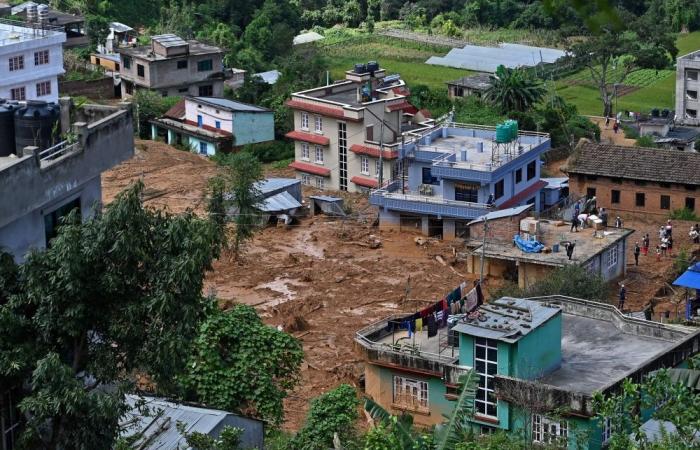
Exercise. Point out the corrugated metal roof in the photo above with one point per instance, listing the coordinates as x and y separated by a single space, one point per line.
305 38
487 59
555 183
119 27
169 40
273 184
501 213
231 105
279 202
269 77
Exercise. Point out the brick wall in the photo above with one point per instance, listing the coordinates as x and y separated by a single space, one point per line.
94 89
499 230
652 191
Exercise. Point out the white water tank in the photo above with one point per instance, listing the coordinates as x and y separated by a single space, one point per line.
32 13
43 14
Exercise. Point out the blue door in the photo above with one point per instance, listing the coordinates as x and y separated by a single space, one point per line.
203 148
200 122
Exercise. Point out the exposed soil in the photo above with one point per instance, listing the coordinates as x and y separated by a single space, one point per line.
318 279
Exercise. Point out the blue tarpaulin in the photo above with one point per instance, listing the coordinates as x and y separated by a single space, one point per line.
527 246
690 278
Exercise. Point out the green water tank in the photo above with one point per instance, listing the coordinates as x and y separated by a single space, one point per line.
502 133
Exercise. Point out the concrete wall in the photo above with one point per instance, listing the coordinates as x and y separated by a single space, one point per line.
253 128
685 64
499 230
102 88
538 352
628 189
44 184
210 115
529 274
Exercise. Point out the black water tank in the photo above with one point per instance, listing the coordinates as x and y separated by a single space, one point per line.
7 127
36 125
360 68
372 66
655 112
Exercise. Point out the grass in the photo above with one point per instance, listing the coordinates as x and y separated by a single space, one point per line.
396 56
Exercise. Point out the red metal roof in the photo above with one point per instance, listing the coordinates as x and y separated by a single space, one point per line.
523 195
372 151
308 137
396 106
401 90
314 108
208 128
177 112
365 182
427 114
310 168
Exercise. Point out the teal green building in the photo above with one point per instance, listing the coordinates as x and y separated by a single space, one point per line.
539 362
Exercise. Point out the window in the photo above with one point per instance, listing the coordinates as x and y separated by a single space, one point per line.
16 63
306 179
531 170
606 430
319 154
200 120
206 91
467 192
590 192
614 196
691 94
499 189
518 176
217 124
183 90
691 75
126 61
42 57
690 203
320 182
377 168
318 124
52 220
369 132
639 199
128 87
140 70
19 93
428 178
182 64
342 154
410 394
691 113
10 419
203 148
548 431
486 366
665 202
304 121
43 88
611 258
364 165
304 151
205 65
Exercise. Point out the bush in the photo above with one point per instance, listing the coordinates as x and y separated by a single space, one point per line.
572 281
645 141
630 132
684 214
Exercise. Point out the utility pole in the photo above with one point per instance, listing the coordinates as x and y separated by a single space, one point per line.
483 250
381 155
403 164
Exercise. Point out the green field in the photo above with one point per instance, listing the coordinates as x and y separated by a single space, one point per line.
396 56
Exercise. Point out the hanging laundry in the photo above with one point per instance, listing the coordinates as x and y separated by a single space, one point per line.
419 324
444 304
454 295
479 294
472 300
432 326
463 289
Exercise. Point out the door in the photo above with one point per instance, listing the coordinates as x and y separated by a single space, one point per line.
203 148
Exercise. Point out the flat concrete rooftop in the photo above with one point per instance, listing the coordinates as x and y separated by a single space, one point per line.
596 352
14 32
145 51
587 246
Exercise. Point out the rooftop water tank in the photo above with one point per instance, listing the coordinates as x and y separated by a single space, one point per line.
43 13
655 112
360 68
36 125
7 127
32 13
502 133
372 66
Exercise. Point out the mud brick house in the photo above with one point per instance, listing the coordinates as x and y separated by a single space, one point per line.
635 179
553 352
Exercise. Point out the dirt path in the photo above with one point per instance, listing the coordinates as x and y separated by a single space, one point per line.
608 136
317 279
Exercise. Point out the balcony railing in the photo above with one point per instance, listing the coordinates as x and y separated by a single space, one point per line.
51 154
416 197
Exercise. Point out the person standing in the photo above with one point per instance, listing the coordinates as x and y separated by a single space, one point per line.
645 244
636 253
669 228
616 126
664 246
574 225
622 297
618 222
696 235
570 249
607 121
577 208
603 217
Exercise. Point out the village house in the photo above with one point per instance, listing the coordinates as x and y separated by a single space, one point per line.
120 35
173 67
600 251
470 85
661 127
539 361
57 179
339 129
635 179
208 125
454 173
687 89
71 24
31 60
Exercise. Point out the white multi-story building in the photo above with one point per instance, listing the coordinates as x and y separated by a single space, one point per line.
31 59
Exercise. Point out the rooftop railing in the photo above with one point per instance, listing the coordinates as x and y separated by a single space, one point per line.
51 154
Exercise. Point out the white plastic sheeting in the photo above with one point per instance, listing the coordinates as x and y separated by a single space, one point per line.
487 59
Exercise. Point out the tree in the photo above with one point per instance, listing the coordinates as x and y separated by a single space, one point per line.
229 439
514 90
150 105
240 364
571 280
334 412
99 29
116 295
243 173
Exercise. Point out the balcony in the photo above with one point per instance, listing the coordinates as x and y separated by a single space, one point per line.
414 202
428 356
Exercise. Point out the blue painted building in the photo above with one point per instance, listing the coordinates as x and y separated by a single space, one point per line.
453 174
208 125
539 362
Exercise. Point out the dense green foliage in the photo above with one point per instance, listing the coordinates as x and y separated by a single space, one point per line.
117 294
150 105
229 439
514 90
330 413
240 364
570 280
